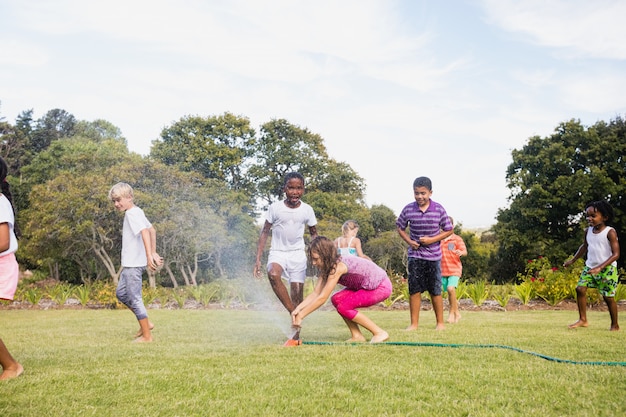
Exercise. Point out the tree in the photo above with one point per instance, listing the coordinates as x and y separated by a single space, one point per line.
54 125
551 179
217 147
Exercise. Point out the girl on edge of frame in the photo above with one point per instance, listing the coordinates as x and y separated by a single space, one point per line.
366 284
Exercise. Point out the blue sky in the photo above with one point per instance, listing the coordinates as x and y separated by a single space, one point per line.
397 89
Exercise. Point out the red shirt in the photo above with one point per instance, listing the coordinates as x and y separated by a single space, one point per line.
450 261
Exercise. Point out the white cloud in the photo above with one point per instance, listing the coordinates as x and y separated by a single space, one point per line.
584 28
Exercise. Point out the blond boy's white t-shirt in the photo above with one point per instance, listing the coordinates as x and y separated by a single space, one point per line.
133 249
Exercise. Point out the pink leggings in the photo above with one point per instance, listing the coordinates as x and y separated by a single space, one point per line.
347 301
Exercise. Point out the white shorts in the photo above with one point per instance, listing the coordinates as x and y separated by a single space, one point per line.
293 264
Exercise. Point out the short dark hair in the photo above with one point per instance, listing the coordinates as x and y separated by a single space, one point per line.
423 182
292 175
603 208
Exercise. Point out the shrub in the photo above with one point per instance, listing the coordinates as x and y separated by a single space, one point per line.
551 283
501 293
478 292
620 292
461 290
525 292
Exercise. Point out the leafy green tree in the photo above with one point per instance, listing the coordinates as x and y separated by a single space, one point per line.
217 147
389 251
98 130
551 180
383 219
54 125
283 147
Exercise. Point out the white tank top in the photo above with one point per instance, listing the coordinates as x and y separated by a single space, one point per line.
598 247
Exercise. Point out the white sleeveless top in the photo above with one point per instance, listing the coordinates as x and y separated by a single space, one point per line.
347 251
598 247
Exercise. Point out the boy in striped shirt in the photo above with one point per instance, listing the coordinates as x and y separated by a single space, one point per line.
428 224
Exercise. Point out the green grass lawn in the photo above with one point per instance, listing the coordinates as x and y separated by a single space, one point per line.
232 363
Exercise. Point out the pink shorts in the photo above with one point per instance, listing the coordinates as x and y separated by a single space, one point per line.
9 273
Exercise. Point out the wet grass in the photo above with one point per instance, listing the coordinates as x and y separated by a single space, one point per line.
231 363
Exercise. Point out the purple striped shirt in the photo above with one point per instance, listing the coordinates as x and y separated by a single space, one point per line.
424 223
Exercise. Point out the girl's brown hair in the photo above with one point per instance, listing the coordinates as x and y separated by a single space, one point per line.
326 250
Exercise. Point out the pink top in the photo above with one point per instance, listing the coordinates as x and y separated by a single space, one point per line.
362 274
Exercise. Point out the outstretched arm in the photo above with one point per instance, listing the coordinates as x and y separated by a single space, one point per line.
260 246
319 295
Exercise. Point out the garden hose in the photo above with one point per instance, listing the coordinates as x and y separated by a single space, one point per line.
467 345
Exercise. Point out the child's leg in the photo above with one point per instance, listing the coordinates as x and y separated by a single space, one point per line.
297 291
129 292
146 333
379 335
437 301
415 303
355 331
347 301
454 316
581 300
341 301
140 331
275 274
10 367
612 305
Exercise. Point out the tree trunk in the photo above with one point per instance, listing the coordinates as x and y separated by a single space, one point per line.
171 275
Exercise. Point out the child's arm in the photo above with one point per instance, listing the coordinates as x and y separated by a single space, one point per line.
612 236
313 232
5 237
319 295
148 235
359 250
260 246
461 249
429 240
407 239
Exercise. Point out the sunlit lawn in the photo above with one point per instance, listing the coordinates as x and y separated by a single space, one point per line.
231 362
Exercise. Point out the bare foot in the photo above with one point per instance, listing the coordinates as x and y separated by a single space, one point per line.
12 373
140 333
143 340
451 319
355 339
615 328
579 323
411 327
380 337
440 326
457 317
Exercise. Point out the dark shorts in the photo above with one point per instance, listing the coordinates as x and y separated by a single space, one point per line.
424 276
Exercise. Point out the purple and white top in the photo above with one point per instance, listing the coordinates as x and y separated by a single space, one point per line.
362 274
424 223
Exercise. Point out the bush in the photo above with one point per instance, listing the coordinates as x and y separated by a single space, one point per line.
551 283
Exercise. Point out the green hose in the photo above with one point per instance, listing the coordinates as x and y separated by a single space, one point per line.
467 345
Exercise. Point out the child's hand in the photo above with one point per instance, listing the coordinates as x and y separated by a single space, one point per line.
595 271
257 270
415 244
155 262
568 263
296 320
